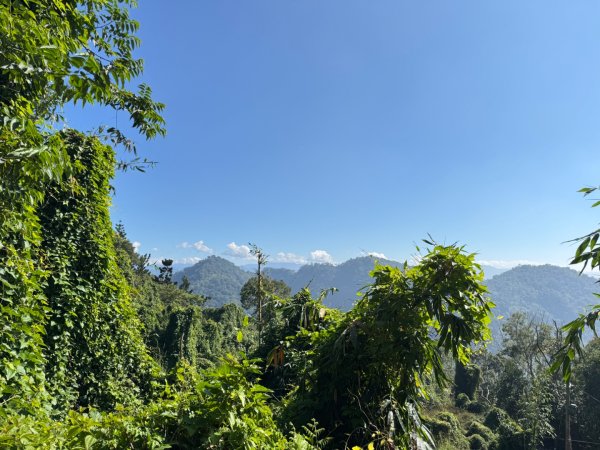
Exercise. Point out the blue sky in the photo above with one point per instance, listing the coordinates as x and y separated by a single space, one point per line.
325 130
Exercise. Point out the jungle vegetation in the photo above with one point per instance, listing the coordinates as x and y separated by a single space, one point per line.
99 352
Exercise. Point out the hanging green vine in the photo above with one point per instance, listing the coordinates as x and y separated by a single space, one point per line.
95 354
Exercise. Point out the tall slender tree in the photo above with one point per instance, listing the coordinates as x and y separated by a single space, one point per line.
261 261
165 272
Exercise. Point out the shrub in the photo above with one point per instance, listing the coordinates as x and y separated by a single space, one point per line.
512 436
477 442
439 428
447 432
466 380
450 419
481 430
477 407
462 400
495 417
219 408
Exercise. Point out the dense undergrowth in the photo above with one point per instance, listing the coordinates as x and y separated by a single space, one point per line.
97 351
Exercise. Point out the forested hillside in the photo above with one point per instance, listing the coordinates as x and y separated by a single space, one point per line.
547 293
215 278
99 352
348 278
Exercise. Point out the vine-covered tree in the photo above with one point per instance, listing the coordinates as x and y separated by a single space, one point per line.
88 307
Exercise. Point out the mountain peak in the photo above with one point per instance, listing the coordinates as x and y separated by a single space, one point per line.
216 278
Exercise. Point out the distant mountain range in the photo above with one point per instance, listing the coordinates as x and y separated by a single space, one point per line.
348 278
546 292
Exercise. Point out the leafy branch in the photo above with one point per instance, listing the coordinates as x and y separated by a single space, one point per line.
588 253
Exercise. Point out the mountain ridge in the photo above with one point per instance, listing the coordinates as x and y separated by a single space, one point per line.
546 292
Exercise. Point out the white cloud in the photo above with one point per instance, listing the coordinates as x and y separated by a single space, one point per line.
321 256
508 264
284 257
136 245
377 255
188 260
243 252
239 251
199 245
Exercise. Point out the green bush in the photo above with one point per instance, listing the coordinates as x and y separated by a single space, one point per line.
511 436
439 428
450 419
495 417
220 408
480 429
447 432
466 380
462 400
477 407
477 442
